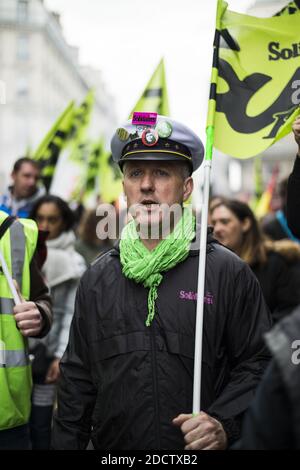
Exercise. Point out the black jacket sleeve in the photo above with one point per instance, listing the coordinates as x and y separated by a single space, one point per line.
248 356
279 279
39 294
293 199
267 424
76 390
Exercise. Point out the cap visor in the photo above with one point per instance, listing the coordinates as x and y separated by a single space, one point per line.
155 156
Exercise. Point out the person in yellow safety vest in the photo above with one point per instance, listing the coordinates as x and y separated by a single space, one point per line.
32 317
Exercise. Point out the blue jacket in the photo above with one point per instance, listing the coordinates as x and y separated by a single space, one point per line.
22 207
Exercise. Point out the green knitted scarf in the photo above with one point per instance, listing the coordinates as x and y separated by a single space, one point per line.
146 267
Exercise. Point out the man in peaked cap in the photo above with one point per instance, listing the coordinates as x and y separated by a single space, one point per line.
127 373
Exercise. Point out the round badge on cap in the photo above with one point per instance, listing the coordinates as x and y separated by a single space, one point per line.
122 134
164 129
149 137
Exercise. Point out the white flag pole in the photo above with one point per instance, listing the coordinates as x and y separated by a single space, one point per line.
221 7
200 290
9 279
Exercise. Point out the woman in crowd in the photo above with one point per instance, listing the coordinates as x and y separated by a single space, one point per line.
91 244
62 270
276 264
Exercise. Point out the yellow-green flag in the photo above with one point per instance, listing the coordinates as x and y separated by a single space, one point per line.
258 182
55 140
155 96
110 186
93 164
256 76
98 175
88 181
81 121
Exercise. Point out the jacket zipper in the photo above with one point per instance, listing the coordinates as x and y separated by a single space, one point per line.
155 387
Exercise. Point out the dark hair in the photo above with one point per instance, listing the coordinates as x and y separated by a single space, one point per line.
65 211
22 160
87 227
253 249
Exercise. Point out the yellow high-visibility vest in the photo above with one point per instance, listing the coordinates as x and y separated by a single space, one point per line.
17 246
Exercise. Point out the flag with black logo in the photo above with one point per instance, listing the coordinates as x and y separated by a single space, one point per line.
154 99
93 165
255 92
54 142
98 176
81 121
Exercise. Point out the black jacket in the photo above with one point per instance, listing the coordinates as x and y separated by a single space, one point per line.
279 277
123 383
273 420
293 199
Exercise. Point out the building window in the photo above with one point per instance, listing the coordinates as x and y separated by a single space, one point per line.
23 47
22 10
22 90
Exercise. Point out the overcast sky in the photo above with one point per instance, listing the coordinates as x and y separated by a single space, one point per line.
126 39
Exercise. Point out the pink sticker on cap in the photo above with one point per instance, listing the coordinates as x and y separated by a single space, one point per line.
144 119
